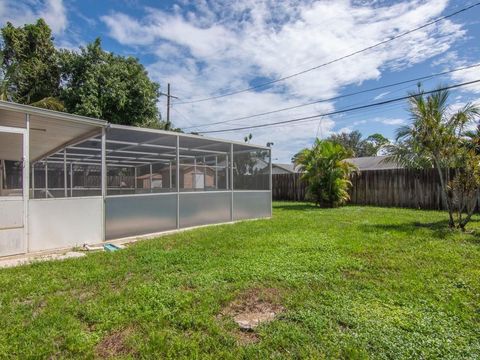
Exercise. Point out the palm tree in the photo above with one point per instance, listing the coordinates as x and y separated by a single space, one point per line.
472 139
433 139
50 103
6 93
326 173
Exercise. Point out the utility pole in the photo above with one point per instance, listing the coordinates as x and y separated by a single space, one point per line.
168 95
168 106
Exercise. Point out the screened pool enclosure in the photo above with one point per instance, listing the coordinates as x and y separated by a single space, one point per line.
68 180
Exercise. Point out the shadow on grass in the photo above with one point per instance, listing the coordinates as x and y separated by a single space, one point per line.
438 229
295 206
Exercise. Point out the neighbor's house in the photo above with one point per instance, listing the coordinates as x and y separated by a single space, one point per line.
284 168
373 163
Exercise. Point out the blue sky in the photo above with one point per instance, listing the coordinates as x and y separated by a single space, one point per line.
206 48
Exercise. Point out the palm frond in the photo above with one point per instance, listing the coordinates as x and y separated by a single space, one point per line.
49 103
402 132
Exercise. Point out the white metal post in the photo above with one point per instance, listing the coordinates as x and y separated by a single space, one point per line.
65 185
231 181
204 173
71 179
135 176
195 174
46 179
2 166
227 173
104 177
216 172
26 181
178 181
270 180
104 164
151 178
170 175
33 181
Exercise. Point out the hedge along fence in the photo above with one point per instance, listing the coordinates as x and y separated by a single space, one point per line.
418 189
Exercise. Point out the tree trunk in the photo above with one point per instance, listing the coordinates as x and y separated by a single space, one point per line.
470 212
451 221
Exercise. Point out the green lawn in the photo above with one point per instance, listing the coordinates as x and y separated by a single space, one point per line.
354 282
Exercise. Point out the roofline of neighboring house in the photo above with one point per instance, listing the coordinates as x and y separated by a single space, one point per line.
290 170
374 167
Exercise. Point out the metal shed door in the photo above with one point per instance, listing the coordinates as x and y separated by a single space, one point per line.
13 188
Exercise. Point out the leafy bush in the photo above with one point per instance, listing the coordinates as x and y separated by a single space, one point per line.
326 172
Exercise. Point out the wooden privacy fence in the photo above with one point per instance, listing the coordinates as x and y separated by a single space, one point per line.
418 189
288 187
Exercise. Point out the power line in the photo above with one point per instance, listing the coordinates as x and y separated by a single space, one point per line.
345 117
179 113
335 60
337 97
340 111
350 118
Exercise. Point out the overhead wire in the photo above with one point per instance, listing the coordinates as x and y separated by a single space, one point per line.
373 46
426 77
350 109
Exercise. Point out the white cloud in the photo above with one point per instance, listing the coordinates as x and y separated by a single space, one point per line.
381 95
452 60
466 76
446 59
54 14
20 13
346 129
359 122
226 46
391 121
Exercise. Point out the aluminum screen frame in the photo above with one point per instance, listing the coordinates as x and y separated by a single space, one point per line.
92 181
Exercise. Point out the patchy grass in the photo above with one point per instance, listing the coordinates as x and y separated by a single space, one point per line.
355 282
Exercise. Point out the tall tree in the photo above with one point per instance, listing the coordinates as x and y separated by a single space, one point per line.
103 85
352 141
373 144
326 172
30 70
357 146
435 139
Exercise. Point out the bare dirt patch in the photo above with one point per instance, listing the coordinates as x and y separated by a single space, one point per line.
246 337
114 345
250 309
